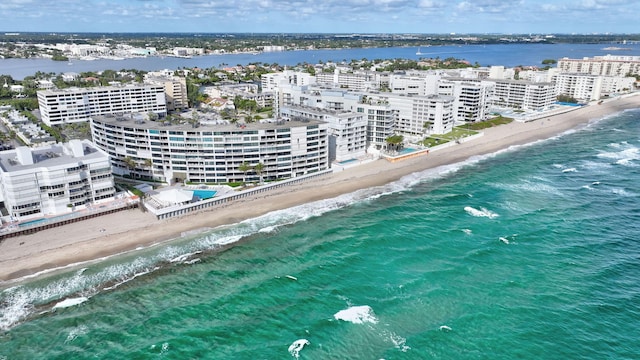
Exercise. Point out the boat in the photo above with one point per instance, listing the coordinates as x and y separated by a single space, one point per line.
420 52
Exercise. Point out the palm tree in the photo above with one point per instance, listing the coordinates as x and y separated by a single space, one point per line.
258 168
148 163
394 141
130 163
245 168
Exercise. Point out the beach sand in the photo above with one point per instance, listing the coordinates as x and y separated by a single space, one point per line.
130 229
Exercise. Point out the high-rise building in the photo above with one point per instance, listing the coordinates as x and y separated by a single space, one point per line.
211 152
79 104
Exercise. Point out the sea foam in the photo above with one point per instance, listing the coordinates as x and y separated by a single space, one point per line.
70 302
297 346
357 315
482 212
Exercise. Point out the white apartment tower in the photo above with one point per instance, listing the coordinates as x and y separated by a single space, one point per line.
472 98
347 130
607 65
524 95
79 104
587 87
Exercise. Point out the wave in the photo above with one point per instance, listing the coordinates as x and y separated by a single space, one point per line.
482 212
357 315
297 346
625 155
70 302
75 332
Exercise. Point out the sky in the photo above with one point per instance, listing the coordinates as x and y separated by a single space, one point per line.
322 16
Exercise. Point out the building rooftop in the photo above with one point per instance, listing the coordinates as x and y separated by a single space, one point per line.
24 158
203 124
96 88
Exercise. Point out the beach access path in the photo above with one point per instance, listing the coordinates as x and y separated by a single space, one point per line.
132 229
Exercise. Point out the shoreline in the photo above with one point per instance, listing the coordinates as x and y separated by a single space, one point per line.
32 256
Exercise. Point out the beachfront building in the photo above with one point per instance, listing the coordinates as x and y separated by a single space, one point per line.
79 104
175 89
387 113
417 116
472 98
524 95
54 179
211 151
585 87
607 65
347 130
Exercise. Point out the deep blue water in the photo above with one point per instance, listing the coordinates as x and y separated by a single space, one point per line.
530 253
508 55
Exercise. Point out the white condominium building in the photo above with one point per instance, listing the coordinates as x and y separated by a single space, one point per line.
417 116
51 180
78 104
524 95
381 120
586 87
472 98
607 65
352 81
347 130
408 115
211 153
271 81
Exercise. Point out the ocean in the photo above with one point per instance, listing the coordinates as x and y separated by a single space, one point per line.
528 253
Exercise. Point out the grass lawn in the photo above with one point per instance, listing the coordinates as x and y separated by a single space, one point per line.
489 123
456 133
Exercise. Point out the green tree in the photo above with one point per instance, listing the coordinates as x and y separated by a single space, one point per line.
130 164
258 168
394 142
245 168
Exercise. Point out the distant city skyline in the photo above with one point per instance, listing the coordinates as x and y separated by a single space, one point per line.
329 16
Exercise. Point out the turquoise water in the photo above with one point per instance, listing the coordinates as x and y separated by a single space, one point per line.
406 151
531 253
204 194
45 220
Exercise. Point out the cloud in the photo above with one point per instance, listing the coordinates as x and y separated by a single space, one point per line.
428 16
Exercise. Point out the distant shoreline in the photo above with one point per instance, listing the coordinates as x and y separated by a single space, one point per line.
126 231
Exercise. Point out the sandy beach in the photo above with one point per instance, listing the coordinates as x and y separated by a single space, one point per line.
127 230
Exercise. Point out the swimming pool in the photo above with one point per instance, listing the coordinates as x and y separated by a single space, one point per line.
407 151
43 221
204 194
